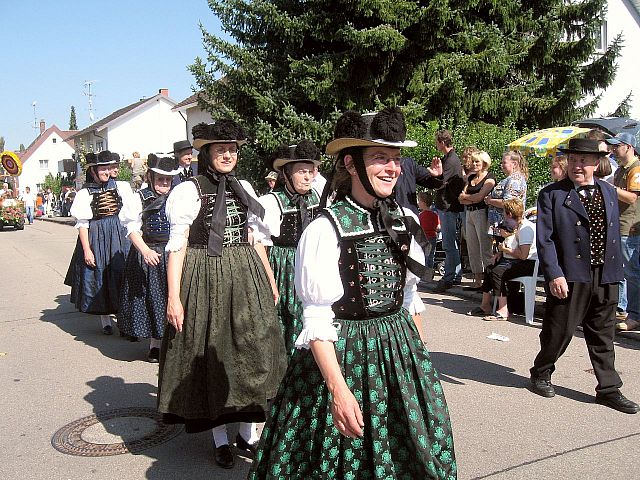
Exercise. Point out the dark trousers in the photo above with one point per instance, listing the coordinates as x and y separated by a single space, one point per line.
497 275
593 305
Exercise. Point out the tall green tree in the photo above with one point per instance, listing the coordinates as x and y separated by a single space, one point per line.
292 65
73 123
1 144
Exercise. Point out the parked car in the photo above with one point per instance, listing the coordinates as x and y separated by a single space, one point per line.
613 126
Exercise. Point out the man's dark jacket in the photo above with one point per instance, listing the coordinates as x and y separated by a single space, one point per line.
412 175
562 235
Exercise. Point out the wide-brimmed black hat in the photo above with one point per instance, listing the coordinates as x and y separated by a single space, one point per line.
385 128
583 145
303 151
181 145
222 131
105 157
163 165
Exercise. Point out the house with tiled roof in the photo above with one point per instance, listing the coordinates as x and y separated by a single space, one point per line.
148 125
191 110
622 16
47 154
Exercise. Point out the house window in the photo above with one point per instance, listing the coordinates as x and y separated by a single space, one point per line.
99 146
54 140
601 38
44 164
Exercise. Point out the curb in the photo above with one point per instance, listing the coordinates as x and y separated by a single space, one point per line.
61 220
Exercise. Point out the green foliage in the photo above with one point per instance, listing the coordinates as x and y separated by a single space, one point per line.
125 174
54 183
73 123
22 147
1 144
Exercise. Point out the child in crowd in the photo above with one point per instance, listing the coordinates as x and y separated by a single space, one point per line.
430 223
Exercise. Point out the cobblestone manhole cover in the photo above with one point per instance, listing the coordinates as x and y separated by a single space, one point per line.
114 432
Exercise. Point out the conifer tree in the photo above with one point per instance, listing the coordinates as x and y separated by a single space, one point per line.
292 65
73 123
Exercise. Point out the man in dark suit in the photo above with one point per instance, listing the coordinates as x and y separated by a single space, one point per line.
578 240
183 152
413 174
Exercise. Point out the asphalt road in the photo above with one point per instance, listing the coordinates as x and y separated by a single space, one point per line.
56 367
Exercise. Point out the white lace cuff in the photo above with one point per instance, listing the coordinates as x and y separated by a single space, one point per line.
82 224
176 238
317 328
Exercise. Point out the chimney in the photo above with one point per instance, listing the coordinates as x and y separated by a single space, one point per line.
164 92
43 126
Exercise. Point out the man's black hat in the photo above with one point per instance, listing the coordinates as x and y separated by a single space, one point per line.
584 145
181 145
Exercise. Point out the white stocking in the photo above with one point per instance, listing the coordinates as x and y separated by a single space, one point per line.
220 435
249 432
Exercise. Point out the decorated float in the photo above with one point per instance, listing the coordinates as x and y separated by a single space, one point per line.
12 210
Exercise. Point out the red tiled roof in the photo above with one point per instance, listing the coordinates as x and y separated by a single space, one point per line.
64 134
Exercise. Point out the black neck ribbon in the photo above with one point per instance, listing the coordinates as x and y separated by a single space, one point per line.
219 213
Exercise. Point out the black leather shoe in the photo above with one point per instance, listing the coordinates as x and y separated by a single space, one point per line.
619 402
442 287
242 444
154 355
224 457
107 330
542 387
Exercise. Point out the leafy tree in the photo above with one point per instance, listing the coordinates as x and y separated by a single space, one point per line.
292 66
73 123
624 109
1 144
22 147
54 183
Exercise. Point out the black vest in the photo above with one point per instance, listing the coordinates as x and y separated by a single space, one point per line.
236 230
372 268
105 199
155 226
290 226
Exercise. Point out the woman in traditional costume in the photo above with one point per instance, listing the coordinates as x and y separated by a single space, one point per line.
365 401
222 354
288 211
96 271
143 307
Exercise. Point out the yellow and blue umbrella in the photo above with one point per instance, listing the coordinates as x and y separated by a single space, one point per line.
546 142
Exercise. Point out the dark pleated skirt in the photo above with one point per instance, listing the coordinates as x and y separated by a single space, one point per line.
407 433
229 358
289 308
96 290
143 305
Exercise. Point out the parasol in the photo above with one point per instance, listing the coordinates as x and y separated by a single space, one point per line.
11 163
545 142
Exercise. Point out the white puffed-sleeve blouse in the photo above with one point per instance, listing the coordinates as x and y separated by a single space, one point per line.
318 282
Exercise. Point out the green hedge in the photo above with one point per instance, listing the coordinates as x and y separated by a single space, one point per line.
491 138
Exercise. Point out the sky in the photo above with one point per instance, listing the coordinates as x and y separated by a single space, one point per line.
128 49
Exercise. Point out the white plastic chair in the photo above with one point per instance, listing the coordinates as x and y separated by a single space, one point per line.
529 283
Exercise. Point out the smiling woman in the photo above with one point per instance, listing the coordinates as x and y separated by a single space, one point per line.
340 411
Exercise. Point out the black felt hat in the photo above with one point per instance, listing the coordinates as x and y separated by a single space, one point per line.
584 145
181 145
163 165
222 131
385 128
303 151
105 157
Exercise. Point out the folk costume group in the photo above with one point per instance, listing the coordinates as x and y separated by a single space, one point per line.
275 299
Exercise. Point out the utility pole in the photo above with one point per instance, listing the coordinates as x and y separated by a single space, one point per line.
87 93
35 118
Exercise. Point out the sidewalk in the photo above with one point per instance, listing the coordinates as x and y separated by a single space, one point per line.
61 220
476 298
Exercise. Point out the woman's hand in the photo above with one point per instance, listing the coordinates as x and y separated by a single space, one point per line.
175 313
151 257
488 199
89 258
347 416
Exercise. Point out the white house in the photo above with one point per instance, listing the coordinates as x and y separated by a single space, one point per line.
191 110
623 16
146 126
45 155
